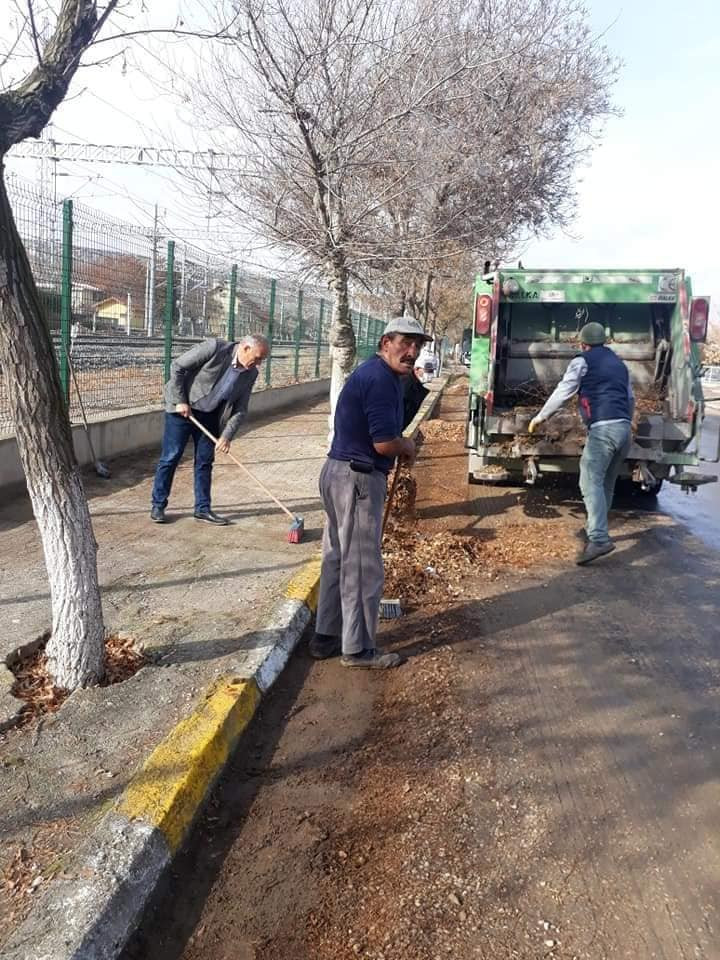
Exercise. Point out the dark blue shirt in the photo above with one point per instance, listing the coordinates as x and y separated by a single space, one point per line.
369 410
222 391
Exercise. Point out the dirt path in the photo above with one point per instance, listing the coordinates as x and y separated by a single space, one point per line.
539 780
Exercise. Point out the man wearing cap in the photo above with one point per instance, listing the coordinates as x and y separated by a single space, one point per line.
367 438
602 382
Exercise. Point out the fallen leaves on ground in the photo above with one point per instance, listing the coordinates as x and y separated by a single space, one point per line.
424 568
444 430
34 684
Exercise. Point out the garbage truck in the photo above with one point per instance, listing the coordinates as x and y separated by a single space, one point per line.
526 329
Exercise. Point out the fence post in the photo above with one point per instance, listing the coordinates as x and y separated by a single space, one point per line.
66 299
319 340
231 304
271 323
169 305
298 332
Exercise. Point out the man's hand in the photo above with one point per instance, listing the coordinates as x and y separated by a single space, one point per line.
223 445
533 425
183 409
408 452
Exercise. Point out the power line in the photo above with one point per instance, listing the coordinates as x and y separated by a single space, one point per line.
125 154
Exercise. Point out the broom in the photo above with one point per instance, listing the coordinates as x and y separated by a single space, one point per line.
390 609
101 469
297 527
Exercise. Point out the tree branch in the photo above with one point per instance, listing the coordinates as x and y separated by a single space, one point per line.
26 108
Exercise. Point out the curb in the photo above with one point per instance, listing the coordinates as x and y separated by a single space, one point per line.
91 913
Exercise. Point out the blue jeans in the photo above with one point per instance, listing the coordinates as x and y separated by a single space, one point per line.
178 431
605 450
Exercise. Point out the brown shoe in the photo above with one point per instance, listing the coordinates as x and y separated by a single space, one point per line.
372 660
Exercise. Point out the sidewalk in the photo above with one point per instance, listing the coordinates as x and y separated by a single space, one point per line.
193 596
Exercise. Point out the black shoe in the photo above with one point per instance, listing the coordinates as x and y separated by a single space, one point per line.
581 535
157 515
323 646
591 551
209 517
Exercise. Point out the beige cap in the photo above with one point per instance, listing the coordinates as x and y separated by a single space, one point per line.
408 326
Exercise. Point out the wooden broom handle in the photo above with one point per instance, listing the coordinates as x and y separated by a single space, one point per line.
242 466
391 495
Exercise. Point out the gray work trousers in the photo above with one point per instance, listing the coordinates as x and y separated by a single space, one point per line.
351 579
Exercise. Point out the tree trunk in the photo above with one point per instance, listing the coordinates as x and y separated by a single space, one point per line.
342 339
76 647
426 306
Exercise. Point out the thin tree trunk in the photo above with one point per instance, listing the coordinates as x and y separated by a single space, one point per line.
44 439
342 339
426 305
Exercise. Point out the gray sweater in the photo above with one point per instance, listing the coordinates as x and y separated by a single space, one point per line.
195 373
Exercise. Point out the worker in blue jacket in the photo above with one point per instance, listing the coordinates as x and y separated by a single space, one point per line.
602 382
367 438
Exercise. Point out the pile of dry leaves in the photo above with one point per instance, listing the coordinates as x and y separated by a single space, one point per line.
34 685
445 430
431 568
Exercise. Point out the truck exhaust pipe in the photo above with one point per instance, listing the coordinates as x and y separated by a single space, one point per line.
531 471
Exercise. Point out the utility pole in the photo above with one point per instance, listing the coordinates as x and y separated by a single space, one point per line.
181 302
151 277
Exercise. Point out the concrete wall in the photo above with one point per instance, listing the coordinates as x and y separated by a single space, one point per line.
141 429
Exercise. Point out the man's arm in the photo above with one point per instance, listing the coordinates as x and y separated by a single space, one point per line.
384 427
568 387
192 359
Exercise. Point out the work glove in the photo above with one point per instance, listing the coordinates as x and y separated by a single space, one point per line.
533 425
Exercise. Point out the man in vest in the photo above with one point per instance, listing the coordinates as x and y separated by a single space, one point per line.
602 381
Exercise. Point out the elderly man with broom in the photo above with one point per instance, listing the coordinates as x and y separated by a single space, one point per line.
366 440
206 398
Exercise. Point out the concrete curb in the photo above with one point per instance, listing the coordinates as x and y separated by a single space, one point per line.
91 913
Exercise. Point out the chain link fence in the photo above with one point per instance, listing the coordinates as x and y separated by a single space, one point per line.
121 301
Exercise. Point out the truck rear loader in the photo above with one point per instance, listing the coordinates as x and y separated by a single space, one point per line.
526 329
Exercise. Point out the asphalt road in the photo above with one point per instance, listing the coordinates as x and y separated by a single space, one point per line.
541 780
700 511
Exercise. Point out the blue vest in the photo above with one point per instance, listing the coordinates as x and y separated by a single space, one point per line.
604 391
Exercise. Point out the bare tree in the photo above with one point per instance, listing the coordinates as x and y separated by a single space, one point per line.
38 61
76 646
496 148
302 96
389 139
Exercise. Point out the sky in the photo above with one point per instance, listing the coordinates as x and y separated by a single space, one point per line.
647 195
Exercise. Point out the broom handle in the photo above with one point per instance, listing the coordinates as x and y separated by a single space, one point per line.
242 466
391 495
80 401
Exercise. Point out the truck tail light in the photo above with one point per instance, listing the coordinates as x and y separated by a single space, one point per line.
483 315
699 312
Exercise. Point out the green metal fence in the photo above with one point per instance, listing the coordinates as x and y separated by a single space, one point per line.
121 301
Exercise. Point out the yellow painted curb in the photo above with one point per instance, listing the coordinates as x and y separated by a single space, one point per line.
304 585
174 780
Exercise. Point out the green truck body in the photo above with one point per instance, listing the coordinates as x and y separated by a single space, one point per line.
526 326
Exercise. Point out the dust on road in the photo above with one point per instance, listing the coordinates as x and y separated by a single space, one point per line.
539 780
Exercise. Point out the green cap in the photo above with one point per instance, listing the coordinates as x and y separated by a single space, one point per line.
593 334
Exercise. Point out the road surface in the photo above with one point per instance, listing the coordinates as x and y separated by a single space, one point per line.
541 779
